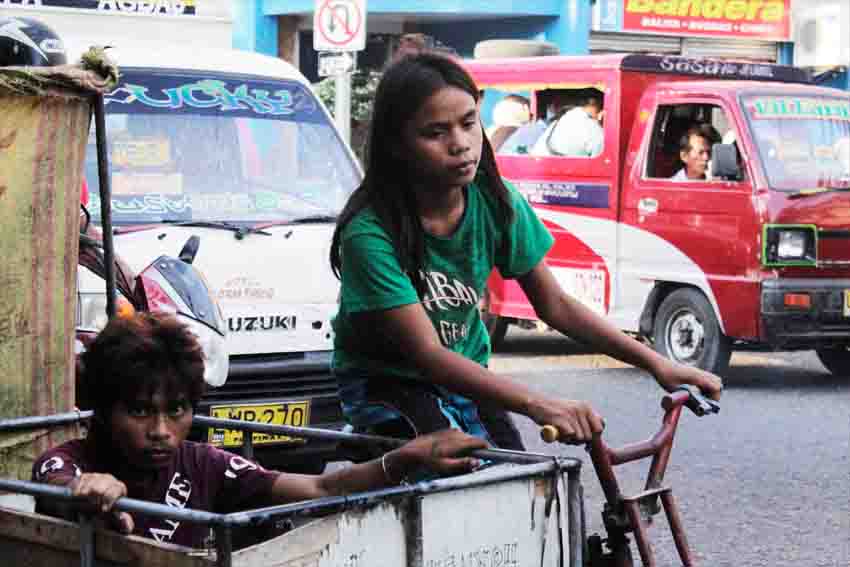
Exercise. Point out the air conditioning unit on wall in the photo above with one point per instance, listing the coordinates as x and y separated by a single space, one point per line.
821 33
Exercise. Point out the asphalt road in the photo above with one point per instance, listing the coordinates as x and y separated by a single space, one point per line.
764 483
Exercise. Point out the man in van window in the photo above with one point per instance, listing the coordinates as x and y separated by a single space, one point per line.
578 133
144 375
695 154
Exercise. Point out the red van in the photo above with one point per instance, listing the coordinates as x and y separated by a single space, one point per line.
755 253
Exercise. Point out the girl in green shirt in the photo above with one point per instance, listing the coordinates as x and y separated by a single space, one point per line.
413 249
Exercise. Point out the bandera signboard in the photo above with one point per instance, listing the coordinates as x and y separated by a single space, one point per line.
745 19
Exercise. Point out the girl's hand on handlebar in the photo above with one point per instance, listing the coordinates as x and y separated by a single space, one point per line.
576 421
674 375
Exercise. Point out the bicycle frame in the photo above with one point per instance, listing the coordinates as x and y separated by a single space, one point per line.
622 514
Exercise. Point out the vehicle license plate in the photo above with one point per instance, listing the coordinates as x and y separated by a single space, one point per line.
290 413
847 302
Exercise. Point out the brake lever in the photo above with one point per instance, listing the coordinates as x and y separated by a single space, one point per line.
697 402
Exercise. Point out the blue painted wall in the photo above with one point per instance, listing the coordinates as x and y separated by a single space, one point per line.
252 29
443 7
786 53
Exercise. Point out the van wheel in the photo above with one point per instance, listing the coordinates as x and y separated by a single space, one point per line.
836 360
495 48
686 330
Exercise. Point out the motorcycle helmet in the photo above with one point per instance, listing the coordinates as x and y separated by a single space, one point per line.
28 42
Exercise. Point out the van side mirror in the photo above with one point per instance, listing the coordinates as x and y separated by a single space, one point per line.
724 162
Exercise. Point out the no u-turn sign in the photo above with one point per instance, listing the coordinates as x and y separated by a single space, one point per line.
339 25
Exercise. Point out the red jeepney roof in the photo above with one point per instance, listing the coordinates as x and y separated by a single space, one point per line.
567 70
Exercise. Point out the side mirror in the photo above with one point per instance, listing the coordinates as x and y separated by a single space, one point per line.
724 162
190 249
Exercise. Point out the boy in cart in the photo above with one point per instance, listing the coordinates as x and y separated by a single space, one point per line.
144 376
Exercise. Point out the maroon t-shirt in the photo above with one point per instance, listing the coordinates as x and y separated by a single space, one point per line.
200 477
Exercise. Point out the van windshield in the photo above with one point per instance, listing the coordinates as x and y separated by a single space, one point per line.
803 141
189 147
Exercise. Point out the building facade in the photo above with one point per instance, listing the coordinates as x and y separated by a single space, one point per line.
760 30
202 23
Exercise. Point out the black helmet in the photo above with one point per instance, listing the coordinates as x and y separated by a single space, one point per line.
24 41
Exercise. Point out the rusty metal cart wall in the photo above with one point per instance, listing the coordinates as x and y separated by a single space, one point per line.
501 516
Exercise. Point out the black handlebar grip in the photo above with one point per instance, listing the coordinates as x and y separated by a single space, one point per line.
698 403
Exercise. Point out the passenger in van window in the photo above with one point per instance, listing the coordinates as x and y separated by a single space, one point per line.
145 375
509 114
695 153
578 133
523 139
414 247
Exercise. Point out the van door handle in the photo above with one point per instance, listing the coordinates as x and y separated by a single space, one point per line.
648 206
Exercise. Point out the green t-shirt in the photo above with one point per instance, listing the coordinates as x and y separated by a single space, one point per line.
457 270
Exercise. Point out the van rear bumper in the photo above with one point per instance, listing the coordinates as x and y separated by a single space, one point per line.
826 322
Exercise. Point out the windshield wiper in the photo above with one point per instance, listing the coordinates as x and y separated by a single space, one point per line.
239 231
307 219
311 219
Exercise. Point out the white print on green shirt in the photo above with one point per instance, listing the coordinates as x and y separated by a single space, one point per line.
445 294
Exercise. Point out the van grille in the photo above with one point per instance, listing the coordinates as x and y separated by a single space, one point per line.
254 378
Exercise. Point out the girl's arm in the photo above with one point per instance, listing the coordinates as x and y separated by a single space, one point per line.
408 332
570 317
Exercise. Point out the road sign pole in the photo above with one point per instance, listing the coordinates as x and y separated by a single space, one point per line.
340 26
342 105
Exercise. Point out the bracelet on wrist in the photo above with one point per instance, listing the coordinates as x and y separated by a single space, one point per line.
388 476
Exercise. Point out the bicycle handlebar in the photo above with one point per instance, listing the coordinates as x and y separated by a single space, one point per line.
658 446
688 395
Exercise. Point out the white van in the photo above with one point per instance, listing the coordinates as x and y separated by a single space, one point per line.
234 147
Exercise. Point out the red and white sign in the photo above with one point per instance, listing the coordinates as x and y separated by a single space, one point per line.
745 19
339 25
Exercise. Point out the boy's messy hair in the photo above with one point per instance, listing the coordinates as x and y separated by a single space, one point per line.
405 86
133 357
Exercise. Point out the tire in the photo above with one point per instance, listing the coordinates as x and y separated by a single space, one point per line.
836 360
496 48
686 330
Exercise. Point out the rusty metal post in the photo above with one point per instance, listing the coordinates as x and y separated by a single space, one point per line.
575 515
679 537
87 551
248 444
639 529
105 202
223 546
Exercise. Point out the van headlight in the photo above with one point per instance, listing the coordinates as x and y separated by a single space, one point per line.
216 359
790 245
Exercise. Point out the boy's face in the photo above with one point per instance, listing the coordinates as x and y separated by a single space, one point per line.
149 430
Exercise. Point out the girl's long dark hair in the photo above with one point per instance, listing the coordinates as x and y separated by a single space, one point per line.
386 187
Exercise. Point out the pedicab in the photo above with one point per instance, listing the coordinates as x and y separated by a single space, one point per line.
520 509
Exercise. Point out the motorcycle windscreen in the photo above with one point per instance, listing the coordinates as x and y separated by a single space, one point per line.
186 280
